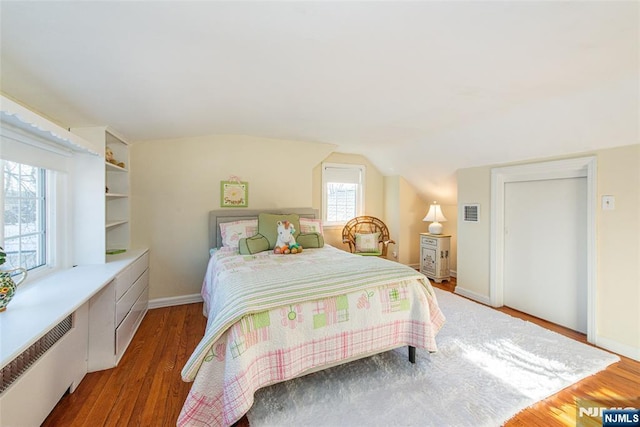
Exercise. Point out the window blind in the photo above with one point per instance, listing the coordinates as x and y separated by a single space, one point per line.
28 138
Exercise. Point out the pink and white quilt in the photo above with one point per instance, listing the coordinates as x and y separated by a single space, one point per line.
275 317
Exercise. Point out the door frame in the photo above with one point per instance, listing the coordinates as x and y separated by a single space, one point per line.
556 169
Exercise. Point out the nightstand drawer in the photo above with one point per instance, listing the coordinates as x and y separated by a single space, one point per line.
429 241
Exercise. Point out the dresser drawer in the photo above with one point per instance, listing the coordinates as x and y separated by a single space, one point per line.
128 276
128 327
124 304
117 310
139 266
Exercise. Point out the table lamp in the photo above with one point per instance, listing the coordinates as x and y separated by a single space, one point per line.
435 215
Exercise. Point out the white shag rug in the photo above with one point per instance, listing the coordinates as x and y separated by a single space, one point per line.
489 366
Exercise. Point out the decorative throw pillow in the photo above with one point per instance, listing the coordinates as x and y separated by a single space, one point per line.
268 226
253 245
366 243
308 225
310 240
232 232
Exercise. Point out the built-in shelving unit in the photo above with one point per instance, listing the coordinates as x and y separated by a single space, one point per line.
116 186
117 182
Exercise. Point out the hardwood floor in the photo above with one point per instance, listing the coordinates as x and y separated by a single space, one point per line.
146 388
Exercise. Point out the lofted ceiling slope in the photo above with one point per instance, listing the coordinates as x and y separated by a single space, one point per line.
420 88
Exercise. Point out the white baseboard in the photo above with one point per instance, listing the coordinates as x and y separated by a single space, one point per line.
619 348
473 295
453 273
171 301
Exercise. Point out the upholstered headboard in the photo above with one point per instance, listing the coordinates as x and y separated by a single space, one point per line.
221 216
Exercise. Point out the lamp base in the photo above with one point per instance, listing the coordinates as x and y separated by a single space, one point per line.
435 228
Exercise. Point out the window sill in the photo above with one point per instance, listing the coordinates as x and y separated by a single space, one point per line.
333 226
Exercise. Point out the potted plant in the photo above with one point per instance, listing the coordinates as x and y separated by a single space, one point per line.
7 285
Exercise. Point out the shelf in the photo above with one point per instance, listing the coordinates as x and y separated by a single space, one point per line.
114 168
115 223
109 198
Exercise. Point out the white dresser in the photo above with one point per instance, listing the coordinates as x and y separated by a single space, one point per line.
434 256
121 306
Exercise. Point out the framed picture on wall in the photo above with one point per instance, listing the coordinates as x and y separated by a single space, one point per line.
234 194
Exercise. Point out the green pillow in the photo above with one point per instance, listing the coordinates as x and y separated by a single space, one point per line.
253 245
310 240
268 226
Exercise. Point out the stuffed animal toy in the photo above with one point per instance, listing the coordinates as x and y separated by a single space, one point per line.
108 156
286 243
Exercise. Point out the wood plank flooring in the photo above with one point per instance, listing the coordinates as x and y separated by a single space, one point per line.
146 389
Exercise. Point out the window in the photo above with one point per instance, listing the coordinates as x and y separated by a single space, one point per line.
24 237
342 192
48 179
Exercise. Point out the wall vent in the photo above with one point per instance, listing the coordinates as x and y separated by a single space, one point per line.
14 369
471 212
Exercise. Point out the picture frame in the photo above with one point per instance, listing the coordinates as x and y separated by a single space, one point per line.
234 194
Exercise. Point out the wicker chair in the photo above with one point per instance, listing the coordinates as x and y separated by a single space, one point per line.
366 225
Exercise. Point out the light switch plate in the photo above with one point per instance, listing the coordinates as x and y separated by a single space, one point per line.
608 203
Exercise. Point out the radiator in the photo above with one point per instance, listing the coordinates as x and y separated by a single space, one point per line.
12 372
33 382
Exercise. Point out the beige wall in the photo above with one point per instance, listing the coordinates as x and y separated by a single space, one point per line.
175 183
617 246
393 215
404 210
474 186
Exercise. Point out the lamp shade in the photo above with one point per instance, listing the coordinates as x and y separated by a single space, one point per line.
436 216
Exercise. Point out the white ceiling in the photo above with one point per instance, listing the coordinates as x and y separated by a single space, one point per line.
420 88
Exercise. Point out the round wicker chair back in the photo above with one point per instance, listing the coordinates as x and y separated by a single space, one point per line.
366 225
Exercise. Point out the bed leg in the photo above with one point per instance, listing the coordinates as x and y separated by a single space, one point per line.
412 354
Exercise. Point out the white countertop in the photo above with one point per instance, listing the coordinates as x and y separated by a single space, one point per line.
40 305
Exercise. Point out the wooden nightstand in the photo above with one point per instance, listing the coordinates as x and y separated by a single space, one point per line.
434 256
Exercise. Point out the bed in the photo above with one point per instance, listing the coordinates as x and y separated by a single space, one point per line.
272 317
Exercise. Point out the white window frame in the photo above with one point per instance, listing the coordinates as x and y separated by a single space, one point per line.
360 192
18 145
55 212
41 199
28 138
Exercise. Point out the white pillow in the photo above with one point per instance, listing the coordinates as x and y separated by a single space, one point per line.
367 243
232 232
308 225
